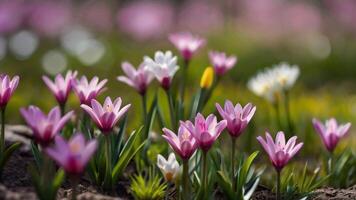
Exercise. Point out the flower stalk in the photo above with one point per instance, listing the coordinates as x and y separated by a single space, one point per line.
278 115
171 108
184 79
233 146
204 171
278 185
144 107
74 182
108 183
287 110
2 112
185 180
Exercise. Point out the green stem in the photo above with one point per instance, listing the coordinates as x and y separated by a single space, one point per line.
287 110
330 163
171 108
144 108
62 106
278 116
233 145
47 169
108 183
2 138
278 185
183 81
210 92
205 172
185 178
74 187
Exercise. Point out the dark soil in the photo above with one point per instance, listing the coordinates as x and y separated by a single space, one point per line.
319 194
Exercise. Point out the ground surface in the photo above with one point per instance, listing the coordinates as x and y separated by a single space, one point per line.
16 185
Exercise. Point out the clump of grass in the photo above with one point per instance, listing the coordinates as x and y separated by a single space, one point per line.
147 188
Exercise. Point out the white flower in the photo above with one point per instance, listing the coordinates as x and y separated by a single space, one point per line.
169 168
270 83
286 74
164 66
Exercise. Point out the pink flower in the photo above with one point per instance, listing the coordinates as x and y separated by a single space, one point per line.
237 117
331 132
73 155
45 127
186 43
61 86
7 88
157 16
221 62
138 79
279 152
86 91
184 144
49 18
106 116
205 131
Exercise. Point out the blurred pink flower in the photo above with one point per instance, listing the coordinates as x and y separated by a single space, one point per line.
7 88
331 132
138 79
237 117
145 20
97 15
61 86
221 62
86 91
344 12
186 43
49 18
184 144
45 127
74 155
106 116
205 131
261 17
200 16
11 15
280 152
301 18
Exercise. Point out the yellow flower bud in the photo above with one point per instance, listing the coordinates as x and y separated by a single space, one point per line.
207 79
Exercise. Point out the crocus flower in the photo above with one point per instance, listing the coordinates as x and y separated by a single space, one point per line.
273 81
106 116
331 132
7 88
86 91
74 155
221 62
45 127
169 168
207 78
279 152
237 117
61 86
184 144
264 84
285 74
164 66
205 131
186 43
138 79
